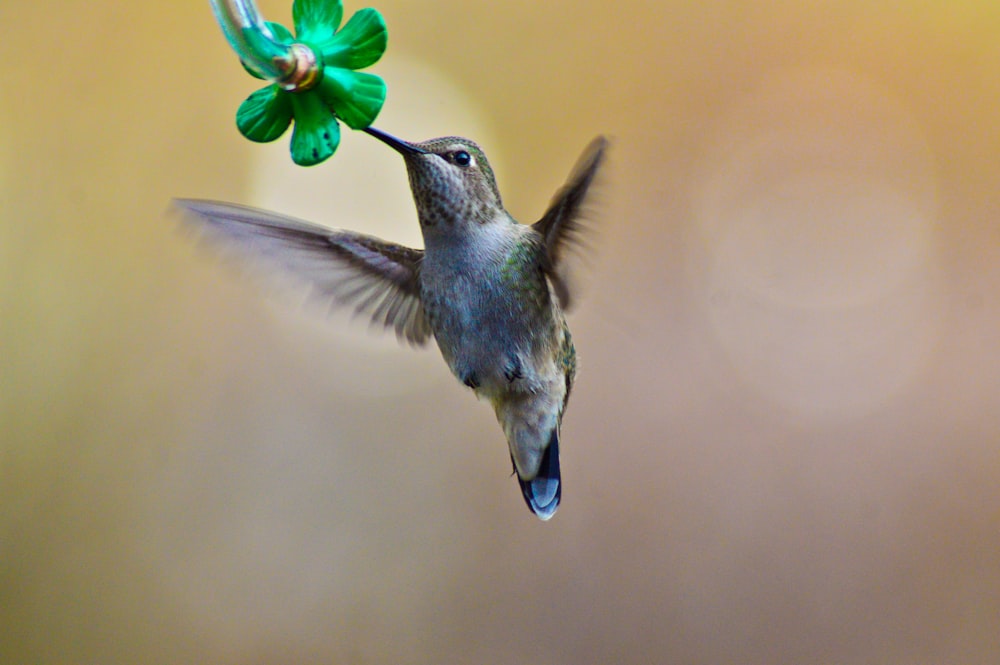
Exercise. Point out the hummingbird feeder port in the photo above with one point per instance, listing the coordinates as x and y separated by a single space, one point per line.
312 74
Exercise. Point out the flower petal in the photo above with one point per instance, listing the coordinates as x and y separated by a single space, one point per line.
316 20
280 32
361 42
264 115
316 134
250 71
356 97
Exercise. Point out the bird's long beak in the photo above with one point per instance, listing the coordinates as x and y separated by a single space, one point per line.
398 145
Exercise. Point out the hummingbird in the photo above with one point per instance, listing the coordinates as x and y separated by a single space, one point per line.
490 291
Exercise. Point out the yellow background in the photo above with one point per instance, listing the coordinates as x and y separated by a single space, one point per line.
784 443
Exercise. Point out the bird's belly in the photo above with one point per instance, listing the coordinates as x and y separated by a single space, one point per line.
473 343
490 345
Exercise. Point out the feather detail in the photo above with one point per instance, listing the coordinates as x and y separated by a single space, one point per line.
562 224
375 277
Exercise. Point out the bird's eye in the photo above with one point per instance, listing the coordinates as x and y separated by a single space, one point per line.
462 158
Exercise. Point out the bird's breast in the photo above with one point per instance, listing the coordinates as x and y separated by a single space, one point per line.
493 329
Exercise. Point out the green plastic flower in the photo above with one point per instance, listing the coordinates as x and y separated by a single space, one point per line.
337 92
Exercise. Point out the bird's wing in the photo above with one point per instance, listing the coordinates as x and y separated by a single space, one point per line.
376 277
563 222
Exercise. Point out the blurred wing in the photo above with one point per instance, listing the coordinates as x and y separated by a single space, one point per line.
379 278
562 223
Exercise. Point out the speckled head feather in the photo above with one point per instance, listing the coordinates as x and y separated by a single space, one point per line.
446 144
452 183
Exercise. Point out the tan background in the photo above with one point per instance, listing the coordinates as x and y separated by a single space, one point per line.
784 446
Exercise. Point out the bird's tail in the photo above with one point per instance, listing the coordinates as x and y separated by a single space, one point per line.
542 493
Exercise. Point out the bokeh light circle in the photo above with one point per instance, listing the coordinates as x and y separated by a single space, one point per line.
815 211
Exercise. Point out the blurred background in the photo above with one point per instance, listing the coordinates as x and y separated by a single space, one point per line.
784 442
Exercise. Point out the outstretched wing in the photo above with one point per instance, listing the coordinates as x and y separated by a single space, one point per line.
379 278
562 223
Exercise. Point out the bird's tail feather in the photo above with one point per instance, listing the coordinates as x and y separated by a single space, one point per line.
542 493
